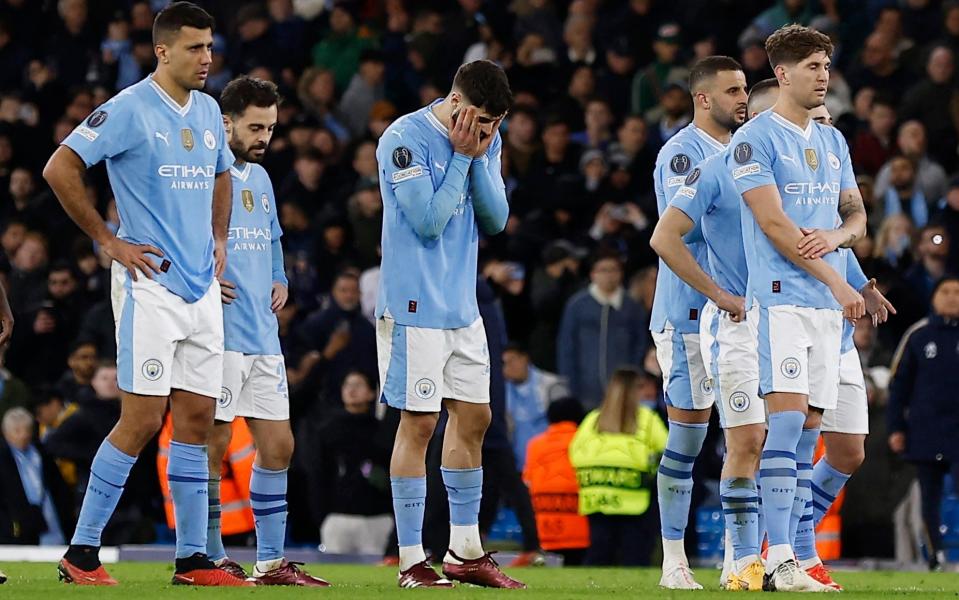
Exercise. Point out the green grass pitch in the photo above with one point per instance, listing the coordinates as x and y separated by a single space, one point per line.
147 581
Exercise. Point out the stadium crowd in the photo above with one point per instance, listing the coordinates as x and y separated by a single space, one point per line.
599 87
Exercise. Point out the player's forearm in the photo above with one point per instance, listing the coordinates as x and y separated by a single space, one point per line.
279 273
430 218
64 174
667 242
785 237
853 215
222 205
489 199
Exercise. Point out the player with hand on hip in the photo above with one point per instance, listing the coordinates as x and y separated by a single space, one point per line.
168 164
441 184
254 289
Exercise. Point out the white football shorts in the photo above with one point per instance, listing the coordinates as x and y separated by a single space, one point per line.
729 353
254 385
851 414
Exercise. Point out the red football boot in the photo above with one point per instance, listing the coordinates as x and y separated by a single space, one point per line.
69 573
422 575
821 574
288 573
482 571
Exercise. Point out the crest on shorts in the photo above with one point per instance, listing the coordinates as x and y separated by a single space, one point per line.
226 396
706 385
152 369
790 368
186 138
739 401
679 164
246 196
812 159
425 388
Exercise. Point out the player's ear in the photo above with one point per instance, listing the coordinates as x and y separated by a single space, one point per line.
781 75
160 50
228 125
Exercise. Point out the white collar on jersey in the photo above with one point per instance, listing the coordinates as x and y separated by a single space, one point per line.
708 138
244 174
805 133
169 101
433 120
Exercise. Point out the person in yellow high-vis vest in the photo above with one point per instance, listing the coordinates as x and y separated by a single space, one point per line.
615 453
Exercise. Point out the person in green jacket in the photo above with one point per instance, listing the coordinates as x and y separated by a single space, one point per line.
615 452
340 49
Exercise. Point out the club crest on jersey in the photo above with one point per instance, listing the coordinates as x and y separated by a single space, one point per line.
186 138
402 157
812 159
208 139
743 152
679 164
265 203
246 196
693 177
833 160
96 119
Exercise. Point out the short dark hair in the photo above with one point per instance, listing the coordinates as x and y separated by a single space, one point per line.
707 68
759 89
484 83
244 92
791 44
564 410
178 15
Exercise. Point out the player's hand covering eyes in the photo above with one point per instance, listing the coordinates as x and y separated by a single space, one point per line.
465 134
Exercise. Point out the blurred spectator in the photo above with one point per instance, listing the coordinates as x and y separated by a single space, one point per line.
551 286
879 69
930 175
650 84
894 240
923 419
675 111
365 214
599 121
615 453
601 330
28 278
35 503
932 253
948 218
552 484
13 391
903 195
82 363
931 102
873 144
340 50
351 473
782 12
72 45
317 93
950 26
529 392
365 89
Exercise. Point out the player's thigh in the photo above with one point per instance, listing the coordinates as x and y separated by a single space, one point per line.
411 361
824 357
783 348
687 384
264 394
736 385
235 373
851 414
149 322
466 375
198 359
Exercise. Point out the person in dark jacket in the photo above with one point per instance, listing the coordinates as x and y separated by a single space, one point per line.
601 329
923 416
35 503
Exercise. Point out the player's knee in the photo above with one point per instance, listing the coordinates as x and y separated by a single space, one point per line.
474 428
419 429
279 451
849 460
746 446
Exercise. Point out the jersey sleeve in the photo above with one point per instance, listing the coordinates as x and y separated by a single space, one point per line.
676 165
107 132
750 161
224 156
854 274
847 179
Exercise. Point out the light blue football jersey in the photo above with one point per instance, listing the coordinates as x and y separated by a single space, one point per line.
710 198
675 302
810 168
430 233
249 325
161 159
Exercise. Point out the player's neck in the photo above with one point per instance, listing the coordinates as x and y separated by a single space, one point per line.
443 111
703 122
179 93
792 112
239 163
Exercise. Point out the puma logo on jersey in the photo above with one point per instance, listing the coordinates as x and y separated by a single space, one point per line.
163 136
441 167
788 158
